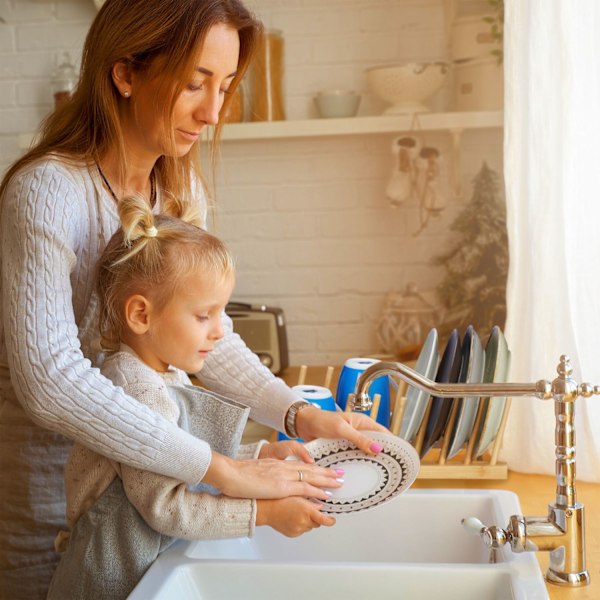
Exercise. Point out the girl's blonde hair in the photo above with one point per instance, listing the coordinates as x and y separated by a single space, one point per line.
159 38
151 255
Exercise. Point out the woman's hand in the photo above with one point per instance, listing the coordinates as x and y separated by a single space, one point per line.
281 450
270 478
314 423
291 516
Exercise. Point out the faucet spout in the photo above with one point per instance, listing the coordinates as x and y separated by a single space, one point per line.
361 401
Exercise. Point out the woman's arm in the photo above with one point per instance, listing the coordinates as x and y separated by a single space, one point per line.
233 370
49 222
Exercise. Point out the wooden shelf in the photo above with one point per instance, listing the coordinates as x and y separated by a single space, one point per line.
451 121
271 130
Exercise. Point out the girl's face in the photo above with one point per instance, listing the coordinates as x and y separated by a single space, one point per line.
198 104
186 329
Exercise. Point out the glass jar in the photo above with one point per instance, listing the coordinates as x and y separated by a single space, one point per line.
235 111
266 79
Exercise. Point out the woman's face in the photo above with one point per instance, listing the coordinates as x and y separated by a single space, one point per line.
198 104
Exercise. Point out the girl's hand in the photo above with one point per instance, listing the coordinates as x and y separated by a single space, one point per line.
291 516
314 423
281 450
270 478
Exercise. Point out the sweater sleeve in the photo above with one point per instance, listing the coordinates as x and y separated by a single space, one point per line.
233 370
171 508
42 223
168 505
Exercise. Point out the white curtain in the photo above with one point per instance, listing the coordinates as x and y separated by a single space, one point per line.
552 172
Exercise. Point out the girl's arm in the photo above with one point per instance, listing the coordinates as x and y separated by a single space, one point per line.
171 508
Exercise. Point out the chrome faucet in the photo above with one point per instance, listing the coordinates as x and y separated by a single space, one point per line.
562 531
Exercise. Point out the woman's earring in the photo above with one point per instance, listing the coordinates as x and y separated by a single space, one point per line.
126 94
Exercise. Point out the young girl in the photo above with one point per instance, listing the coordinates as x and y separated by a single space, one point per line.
163 283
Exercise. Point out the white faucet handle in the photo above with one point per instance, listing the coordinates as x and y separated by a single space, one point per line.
492 536
473 525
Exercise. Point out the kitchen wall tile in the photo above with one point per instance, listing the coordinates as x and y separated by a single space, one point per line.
16 120
249 256
34 93
346 338
322 196
75 10
52 36
305 343
22 11
308 311
316 22
8 94
7 41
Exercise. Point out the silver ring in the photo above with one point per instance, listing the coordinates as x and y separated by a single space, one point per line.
300 475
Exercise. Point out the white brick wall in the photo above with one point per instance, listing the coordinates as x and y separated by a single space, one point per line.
306 218
313 232
33 35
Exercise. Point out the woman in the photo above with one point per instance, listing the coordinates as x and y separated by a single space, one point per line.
154 74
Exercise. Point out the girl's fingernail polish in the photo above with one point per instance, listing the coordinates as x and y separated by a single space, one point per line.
340 480
328 493
375 447
340 471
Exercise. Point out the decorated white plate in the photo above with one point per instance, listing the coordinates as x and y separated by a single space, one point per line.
369 481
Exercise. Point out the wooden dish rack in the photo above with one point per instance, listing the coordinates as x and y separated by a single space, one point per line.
435 464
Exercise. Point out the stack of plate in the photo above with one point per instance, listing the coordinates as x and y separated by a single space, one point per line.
465 362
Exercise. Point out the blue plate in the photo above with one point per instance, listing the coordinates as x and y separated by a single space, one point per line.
448 372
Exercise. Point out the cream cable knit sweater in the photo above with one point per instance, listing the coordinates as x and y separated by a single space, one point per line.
166 504
55 221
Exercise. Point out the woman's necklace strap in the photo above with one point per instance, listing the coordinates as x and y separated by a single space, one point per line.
108 186
112 193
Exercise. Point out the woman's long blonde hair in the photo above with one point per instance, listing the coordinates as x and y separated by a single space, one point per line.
151 255
139 31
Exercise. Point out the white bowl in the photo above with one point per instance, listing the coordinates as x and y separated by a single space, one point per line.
405 86
333 104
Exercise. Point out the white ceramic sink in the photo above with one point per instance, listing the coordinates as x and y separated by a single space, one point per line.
412 547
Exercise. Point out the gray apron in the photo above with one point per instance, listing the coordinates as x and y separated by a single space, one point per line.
111 546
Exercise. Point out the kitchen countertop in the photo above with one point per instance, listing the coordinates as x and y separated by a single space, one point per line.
535 492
